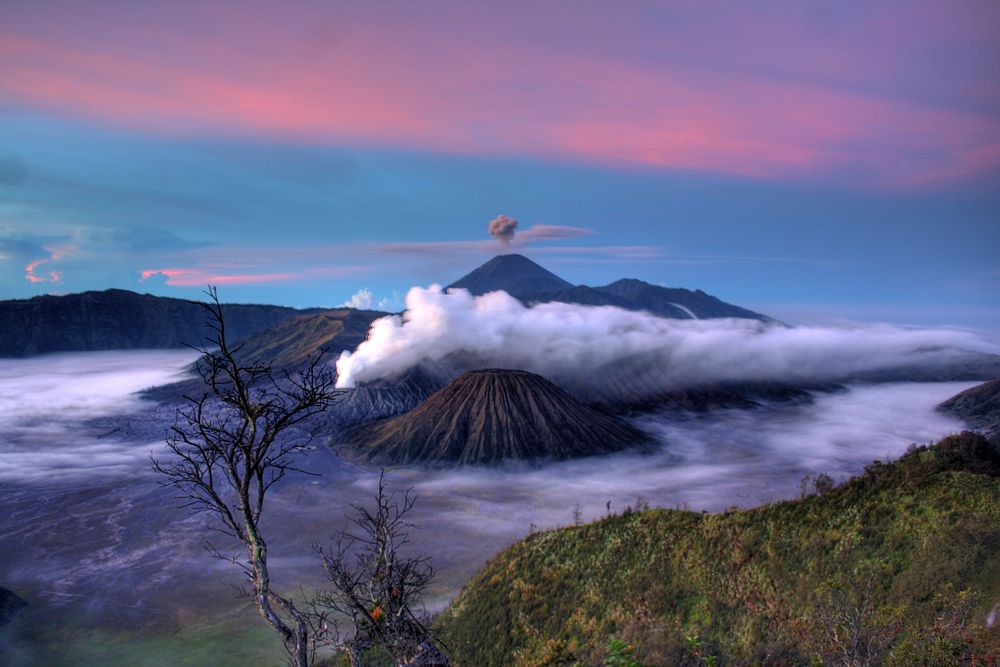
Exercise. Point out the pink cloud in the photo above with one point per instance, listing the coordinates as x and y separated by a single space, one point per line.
55 254
32 277
257 267
776 94
202 277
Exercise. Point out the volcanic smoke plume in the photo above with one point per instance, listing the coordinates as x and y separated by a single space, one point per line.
594 347
502 228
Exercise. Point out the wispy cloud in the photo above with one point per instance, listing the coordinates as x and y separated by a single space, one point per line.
752 259
524 239
603 252
774 94
34 275
437 247
201 277
662 255
139 239
221 273
550 232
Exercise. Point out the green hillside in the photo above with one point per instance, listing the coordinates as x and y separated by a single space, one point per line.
900 564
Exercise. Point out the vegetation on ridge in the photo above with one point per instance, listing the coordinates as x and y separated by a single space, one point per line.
896 566
295 341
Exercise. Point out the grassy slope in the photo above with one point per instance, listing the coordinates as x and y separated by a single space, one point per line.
750 584
296 341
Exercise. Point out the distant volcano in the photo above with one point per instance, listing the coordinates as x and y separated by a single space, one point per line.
515 274
489 416
525 280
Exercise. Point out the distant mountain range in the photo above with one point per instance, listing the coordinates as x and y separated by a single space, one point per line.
522 278
118 319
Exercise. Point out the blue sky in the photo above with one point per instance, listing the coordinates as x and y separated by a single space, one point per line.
859 182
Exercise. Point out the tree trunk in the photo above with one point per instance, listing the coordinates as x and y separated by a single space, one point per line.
295 641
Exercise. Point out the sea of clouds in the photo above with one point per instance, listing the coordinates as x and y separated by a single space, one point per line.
87 521
46 401
707 461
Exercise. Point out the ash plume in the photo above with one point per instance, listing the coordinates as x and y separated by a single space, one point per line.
502 228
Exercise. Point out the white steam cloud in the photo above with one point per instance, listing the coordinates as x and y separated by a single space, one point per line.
583 345
363 299
502 228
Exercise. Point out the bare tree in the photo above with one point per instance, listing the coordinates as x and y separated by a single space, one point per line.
231 445
379 588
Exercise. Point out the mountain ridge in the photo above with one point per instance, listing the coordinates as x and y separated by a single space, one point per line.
979 407
117 319
531 283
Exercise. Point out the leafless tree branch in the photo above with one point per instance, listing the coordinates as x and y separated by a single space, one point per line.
379 588
231 445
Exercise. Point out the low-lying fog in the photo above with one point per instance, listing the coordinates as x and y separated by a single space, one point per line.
45 400
101 551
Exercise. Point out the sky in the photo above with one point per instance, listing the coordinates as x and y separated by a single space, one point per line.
815 161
